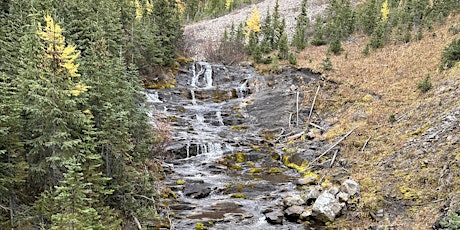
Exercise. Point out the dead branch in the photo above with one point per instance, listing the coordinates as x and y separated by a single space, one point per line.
365 144
313 104
147 198
333 158
316 126
338 142
295 136
139 226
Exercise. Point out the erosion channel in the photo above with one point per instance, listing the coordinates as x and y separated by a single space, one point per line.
231 164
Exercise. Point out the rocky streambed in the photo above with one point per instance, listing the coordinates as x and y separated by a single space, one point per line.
233 162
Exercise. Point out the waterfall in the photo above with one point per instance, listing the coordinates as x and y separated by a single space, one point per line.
192 92
194 76
242 89
152 96
208 75
200 118
188 149
219 118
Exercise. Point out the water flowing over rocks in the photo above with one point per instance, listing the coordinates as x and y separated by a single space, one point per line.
226 166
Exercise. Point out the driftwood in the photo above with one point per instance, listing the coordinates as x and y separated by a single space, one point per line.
333 158
313 104
295 136
365 144
297 109
316 126
338 142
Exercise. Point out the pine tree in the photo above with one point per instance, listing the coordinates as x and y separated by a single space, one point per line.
267 34
53 91
300 37
276 25
283 48
318 35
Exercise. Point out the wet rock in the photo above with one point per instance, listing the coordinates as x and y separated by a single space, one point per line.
236 217
351 187
180 207
293 200
197 190
275 217
327 207
293 213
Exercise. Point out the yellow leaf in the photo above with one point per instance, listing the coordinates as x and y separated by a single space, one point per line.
385 11
252 24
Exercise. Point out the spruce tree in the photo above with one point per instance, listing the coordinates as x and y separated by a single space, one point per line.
283 48
318 34
299 39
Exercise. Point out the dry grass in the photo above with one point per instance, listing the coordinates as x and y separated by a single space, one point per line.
379 85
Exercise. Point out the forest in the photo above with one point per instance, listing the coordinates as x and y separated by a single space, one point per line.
76 146
77 150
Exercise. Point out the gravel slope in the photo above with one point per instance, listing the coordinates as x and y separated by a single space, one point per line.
208 32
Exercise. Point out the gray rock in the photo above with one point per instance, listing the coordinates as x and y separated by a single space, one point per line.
293 200
334 190
306 214
313 194
343 197
197 190
293 213
327 207
275 217
306 181
351 187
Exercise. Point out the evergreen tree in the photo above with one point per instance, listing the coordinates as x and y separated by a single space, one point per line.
300 36
267 33
276 25
283 48
318 34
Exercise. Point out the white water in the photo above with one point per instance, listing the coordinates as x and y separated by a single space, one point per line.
242 89
208 75
219 118
192 92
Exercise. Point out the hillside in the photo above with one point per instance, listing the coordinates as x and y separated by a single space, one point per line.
405 151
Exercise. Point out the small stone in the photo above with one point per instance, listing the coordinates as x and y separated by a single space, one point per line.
334 190
343 197
306 214
293 200
309 180
351 187
380 213
327 207
293 213
275 217
313 194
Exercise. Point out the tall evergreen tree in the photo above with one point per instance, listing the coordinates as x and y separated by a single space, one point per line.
299 39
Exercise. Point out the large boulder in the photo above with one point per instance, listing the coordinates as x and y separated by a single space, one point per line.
326 208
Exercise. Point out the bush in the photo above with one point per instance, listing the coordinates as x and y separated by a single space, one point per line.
425 85
450 55
452 221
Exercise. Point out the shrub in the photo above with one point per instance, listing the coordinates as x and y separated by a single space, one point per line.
425 85
292 59
450 55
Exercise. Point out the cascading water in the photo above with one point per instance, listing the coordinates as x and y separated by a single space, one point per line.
206 131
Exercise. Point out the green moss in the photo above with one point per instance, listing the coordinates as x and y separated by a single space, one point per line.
255 170
236 167
274 170
255 147
240 157
180 182
250 164
410 193
289 150
238 127
299 168
200 226
172 118
238 195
